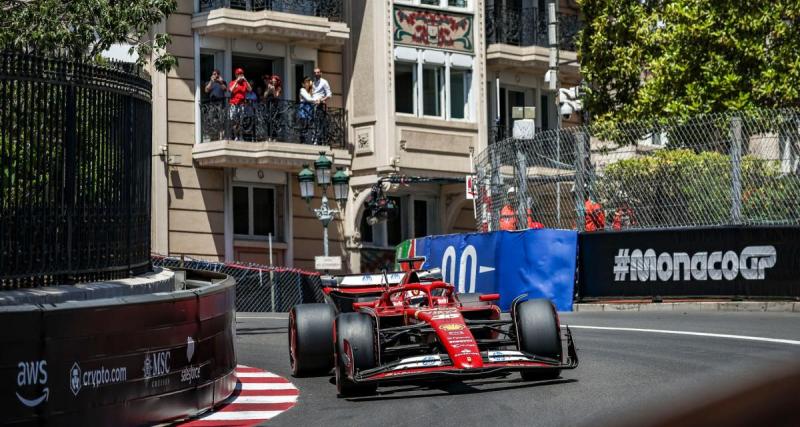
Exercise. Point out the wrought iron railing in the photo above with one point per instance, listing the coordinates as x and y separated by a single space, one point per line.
75 145
331 9
527 26
274 120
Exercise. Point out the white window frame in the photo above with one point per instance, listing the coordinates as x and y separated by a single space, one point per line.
250 218
443 4
443 61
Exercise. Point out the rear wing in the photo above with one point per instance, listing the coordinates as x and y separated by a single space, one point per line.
364 280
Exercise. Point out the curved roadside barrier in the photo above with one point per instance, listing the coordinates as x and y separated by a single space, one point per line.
124 361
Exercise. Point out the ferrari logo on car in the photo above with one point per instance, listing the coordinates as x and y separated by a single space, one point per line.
451 327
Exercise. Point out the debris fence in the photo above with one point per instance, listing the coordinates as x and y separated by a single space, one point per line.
259 288
737 168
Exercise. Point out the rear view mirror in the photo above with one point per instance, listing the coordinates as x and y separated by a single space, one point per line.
489 297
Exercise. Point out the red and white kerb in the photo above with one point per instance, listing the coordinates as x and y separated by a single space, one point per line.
259 396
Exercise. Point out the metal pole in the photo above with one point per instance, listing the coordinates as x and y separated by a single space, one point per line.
325 239
554 38
270 250
580 164
736 170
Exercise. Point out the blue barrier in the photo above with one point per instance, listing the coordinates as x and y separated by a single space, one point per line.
538 262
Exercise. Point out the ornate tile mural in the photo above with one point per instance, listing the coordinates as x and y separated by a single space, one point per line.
435 29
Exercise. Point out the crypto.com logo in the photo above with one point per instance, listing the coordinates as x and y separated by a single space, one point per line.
646 266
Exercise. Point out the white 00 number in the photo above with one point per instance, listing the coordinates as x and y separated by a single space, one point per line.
468 257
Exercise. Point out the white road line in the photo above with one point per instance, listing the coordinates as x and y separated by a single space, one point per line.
697 334
263 317
240 415
256 375
262 399
265 386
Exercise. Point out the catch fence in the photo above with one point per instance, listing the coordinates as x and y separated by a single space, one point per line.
736 168
259 288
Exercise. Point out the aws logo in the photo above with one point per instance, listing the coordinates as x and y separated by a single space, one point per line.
32 374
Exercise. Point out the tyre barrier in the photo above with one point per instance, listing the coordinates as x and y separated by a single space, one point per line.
135 360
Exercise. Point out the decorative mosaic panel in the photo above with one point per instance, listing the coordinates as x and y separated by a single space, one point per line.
435 29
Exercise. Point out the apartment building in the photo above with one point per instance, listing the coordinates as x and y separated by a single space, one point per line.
412 93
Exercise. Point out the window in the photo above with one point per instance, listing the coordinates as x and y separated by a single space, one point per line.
460 4
394 225
404 94
420 218
545 112
415 217
432 86
433 83
253 211
458 93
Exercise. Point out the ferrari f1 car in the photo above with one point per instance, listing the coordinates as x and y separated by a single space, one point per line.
383 328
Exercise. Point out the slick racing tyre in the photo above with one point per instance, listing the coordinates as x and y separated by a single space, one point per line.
539 334
472 298
311 339
355 351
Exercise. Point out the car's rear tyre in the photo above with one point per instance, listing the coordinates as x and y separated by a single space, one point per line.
311 339
538 331
355 350
472 298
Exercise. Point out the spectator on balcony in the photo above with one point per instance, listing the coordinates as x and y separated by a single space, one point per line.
306 112
272 103
322 89
239 89
216 88
273 87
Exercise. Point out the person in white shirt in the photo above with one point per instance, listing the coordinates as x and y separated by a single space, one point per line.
322 89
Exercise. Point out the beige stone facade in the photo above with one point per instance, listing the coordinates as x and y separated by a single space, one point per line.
409 106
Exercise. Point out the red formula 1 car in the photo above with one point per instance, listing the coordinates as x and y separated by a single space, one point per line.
382 328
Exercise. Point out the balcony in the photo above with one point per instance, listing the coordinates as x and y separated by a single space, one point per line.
517 37
527 26
273 133
313 21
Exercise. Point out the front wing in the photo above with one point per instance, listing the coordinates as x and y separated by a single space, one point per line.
495 363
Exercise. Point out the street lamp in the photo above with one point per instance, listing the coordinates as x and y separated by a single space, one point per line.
322 174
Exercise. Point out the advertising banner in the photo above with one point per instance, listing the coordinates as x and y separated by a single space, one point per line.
713 261
539 262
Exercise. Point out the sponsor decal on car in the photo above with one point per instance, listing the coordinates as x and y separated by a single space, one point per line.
451 327
505 356
444 314
419 362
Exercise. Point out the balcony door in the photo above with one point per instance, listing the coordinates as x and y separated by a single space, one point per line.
301 70
256 67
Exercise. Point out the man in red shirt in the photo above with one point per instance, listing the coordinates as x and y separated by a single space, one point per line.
239 89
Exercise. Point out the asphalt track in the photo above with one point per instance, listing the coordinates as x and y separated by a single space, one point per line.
632 364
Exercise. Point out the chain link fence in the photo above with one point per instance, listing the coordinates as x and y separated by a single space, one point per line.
259 288
737 168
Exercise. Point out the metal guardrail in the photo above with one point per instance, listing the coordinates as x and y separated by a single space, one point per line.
74 171
527 26
331 9
259 288
274 120
736 168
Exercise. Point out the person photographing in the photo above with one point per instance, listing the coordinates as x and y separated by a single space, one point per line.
239 89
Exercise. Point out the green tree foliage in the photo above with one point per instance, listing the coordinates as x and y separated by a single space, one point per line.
651 59
82 29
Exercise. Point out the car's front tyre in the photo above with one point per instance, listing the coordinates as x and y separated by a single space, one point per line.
538 332
355 351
